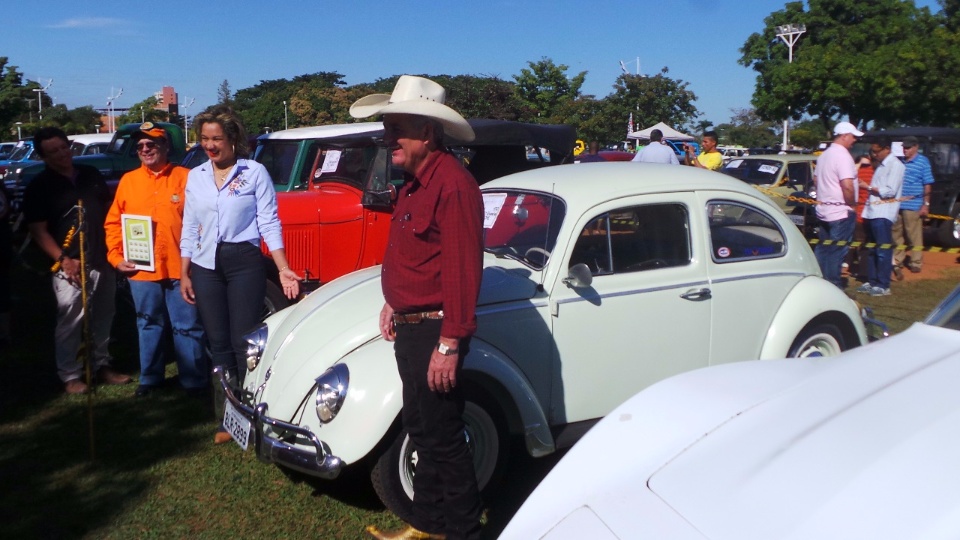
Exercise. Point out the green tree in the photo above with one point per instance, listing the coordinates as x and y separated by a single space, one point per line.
262 106
868 60
546 95
72 121
223 93
651 99
746 128
145 110
13 96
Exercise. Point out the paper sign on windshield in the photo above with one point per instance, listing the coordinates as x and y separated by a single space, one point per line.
492 204
330 161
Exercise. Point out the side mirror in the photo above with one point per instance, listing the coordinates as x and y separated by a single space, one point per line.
579 276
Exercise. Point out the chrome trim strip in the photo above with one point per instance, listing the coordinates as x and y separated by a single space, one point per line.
638 291
756 276
322 464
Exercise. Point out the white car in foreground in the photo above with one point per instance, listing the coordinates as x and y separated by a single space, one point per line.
860 446
598 282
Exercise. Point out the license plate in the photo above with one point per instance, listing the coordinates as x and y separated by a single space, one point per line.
236 424
797 220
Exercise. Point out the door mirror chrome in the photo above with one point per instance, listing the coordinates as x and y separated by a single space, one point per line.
579 276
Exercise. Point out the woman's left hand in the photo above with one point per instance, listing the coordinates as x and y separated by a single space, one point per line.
290 282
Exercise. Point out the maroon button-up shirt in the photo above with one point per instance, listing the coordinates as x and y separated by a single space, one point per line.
434 258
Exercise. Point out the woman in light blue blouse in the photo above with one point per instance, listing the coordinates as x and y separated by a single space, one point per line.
230 205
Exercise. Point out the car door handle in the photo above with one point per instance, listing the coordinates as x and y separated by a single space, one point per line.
697 294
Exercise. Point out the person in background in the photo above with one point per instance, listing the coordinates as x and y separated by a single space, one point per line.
917 183
835 175
431 281
878 216
856 258
710 157
50 210
657 151
156 190
593 153
230 206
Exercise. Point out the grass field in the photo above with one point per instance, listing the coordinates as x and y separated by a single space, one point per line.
114 466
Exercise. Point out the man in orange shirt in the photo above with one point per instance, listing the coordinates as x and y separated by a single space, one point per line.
155 192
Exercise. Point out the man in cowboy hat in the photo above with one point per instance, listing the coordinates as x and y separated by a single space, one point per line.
431 281
156 190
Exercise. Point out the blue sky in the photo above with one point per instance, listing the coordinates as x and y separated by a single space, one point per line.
92 49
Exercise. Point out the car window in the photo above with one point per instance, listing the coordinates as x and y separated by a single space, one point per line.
759 172
635 239
799 173
522 225
739 233
278 157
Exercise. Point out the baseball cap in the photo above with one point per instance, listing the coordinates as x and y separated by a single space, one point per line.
844 128
149 129
910 141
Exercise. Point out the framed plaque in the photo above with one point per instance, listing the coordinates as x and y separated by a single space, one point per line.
138 240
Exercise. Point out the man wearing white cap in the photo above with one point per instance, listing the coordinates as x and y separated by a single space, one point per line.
836 175
431 281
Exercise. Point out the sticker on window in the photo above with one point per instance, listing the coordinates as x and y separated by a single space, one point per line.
330 162
769 169
723 252
492 204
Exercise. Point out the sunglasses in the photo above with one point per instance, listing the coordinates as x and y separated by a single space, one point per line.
145 146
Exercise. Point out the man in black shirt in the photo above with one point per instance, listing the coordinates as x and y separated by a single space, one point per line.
51 211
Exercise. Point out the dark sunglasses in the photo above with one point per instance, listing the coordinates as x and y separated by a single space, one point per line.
149 145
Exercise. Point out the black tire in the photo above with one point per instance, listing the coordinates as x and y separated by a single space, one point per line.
273 300
819 340
948 232
393 471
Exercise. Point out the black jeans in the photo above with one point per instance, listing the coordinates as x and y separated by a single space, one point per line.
230 302
446 498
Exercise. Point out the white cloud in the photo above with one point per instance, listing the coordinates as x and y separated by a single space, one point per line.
88 22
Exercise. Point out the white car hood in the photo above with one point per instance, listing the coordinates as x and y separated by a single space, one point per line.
342 315
772 449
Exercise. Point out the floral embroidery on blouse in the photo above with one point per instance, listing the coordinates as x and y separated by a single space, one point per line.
199 235
238 182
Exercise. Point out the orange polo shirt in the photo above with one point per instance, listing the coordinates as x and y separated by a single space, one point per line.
160 196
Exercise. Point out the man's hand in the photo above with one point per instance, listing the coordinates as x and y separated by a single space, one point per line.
387 331
127 268
71 270
442 371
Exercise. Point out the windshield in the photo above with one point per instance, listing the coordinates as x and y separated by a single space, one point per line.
760 172
278 157
522 225
21 152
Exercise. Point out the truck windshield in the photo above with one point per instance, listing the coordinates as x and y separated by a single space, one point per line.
522 225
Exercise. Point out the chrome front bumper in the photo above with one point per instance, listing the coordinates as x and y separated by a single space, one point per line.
321 464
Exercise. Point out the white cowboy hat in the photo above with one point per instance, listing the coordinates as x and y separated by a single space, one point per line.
419 96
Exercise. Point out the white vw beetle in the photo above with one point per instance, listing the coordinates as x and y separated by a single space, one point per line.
598 281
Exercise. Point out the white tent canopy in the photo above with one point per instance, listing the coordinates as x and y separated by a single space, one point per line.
668 133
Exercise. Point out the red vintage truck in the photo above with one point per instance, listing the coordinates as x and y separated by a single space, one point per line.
335 186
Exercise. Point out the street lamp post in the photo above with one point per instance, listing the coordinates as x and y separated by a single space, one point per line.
789 33
285 115
186 130
142 119
19 135
40 98
110 101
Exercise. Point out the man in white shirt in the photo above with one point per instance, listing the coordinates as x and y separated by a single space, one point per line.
656 151
879 214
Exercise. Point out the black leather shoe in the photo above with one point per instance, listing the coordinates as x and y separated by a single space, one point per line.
144 390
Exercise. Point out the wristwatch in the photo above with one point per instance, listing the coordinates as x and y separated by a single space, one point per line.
445 349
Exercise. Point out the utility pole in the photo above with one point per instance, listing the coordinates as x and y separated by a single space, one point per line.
110 100
40 98
789 33
186 129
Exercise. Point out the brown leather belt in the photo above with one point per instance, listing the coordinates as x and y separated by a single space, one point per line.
416 318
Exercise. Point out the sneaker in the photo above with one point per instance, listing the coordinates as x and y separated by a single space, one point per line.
865 288
898 273
880 291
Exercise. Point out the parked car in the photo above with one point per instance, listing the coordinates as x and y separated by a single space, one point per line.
598 281
335 185
732 152
118 159
785 178
7 148
89 143
942 148
859 446
22 155
610 155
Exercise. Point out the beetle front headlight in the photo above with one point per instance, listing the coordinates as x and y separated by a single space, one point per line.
256 343
331 391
